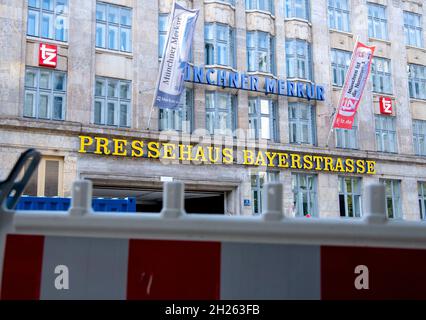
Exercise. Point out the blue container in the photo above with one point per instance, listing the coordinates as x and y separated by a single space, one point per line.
63 204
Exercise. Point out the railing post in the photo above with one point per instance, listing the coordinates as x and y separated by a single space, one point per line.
375 204
81 202
173 200
273 202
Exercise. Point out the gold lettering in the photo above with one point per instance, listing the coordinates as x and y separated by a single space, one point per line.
350 165
102 144
85 141
137 148
154 150
371 167
228 157
361 166
295 159
307 162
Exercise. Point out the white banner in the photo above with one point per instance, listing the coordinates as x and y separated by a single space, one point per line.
175 57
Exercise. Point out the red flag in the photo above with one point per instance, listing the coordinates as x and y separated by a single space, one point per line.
355 81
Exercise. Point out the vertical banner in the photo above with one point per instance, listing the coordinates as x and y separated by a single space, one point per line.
355 81
176 54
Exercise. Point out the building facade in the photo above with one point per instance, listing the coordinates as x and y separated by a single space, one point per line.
100 95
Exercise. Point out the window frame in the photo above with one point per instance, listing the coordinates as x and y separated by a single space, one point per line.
339 70
215 43
187 94
298 194
299 122
118 25
335 11
231 110
373 22
256 50
347 135
353 194
418 30
256 5
394 196
37 91
416 83
257 188
258 115
40 177
117 100
419 137
290 8
421 188
294 60
55 15
387 128
380 78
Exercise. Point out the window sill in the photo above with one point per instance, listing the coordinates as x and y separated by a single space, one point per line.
417 100
298 20
379 40
263 74
347 33
415 48
337 88
219 66
379 94
32 39
114 52
220 2
300 80
262 12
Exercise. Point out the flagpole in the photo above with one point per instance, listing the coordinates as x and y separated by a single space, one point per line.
171 16
334 115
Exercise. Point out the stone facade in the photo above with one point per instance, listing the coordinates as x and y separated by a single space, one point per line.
83 61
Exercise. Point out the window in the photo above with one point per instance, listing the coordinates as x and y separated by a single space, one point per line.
417 81
45 94
48 19
179 119
304 194
348 139
47 180
393 198
385 133
257 181
381 75
413 29
340 62
350 197
262 119
298 59
231 2
260 52
302 123
377 22
113 27
112 102
264 5
221 112
297 9
219 44
419 137
422 199
162 33
338 15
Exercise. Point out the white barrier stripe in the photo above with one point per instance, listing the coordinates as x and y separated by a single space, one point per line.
397 234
